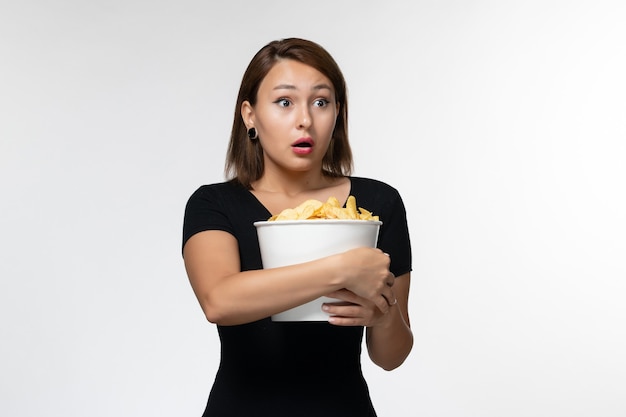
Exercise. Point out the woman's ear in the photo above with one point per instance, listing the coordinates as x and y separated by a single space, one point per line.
247 114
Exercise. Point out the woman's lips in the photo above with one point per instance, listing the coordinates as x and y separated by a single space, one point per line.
303 146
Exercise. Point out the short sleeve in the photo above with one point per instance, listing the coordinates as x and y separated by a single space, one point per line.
394 235
205 211
385 202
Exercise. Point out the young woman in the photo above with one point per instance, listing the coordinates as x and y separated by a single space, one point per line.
289 143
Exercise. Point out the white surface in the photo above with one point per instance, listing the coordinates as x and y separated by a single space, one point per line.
501 123
286 242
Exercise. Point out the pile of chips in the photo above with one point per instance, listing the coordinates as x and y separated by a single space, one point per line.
331 209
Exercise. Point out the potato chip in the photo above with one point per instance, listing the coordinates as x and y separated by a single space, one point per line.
288 214
307 209
331 209
333 202
366 215
351 207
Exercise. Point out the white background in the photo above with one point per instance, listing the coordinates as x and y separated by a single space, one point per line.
502 123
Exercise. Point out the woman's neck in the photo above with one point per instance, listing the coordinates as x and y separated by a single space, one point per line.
277 194
293 184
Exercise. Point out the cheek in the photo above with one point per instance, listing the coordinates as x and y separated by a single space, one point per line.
271 132
330 121
271 122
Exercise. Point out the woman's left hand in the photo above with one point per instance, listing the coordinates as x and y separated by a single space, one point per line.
354 310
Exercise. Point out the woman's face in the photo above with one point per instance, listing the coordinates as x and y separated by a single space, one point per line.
294 116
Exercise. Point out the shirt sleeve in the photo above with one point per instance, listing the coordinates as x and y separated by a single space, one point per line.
394 236
204 211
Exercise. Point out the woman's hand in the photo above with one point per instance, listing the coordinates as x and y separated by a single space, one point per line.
354 310
366 274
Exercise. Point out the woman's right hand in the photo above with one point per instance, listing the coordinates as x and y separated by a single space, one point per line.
366 273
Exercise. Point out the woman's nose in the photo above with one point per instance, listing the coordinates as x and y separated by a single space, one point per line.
304 121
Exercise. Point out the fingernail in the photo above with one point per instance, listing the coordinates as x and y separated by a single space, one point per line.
325 307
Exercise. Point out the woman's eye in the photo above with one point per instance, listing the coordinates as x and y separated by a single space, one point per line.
322 102
283 102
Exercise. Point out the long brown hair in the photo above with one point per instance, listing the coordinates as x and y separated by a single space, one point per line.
244 159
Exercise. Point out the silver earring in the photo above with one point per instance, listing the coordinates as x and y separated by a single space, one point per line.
252 134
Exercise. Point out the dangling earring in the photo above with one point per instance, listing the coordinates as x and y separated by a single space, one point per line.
252 134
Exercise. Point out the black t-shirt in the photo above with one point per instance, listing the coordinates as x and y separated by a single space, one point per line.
291 368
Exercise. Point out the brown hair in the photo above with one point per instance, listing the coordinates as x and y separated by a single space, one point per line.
244 159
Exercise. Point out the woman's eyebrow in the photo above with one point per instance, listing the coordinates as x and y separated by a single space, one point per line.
293 87
322 87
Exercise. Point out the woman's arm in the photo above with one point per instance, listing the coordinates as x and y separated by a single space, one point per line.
389 338
228 296
390 341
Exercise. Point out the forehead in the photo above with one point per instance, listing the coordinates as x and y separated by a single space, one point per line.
295 74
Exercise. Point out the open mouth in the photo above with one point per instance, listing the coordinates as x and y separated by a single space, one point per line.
303 143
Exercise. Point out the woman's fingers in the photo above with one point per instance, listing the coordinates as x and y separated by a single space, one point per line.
353 310
382 303
344 310
390 299
387 295
391 279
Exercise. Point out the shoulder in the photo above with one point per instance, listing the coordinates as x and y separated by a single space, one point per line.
221 197
216 191
215 207
377 196
361 184
227 187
